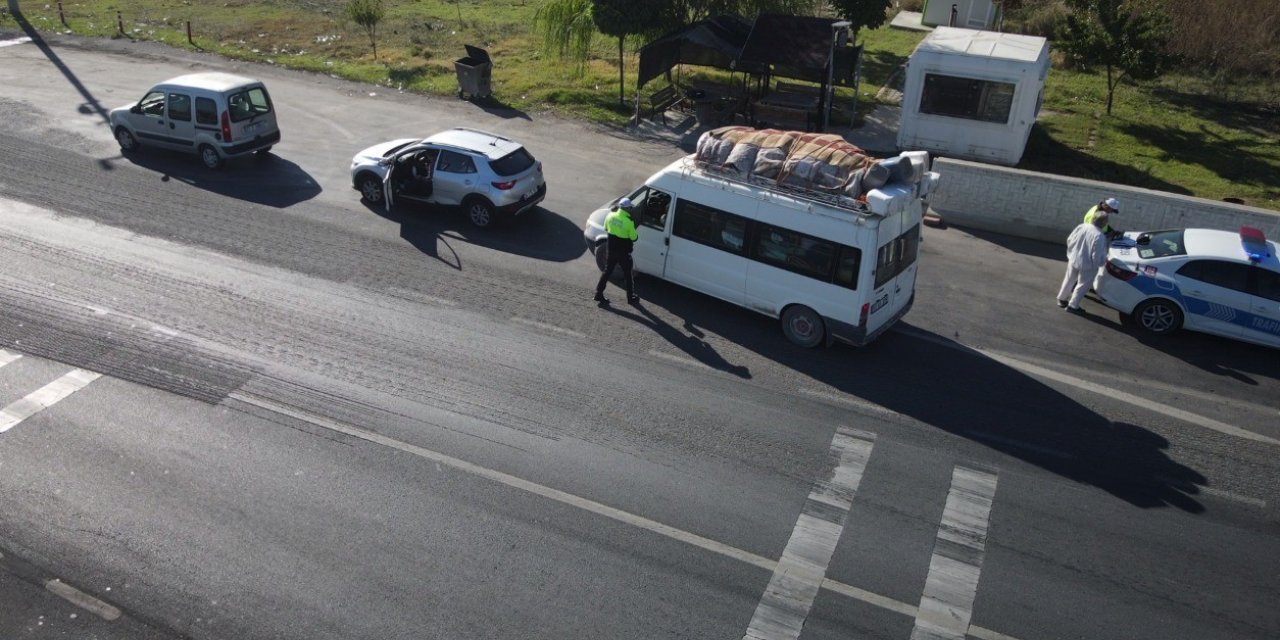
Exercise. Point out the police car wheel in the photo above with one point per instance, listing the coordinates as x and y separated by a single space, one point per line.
1157 316
803 326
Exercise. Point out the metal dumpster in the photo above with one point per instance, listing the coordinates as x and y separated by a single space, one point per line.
474 72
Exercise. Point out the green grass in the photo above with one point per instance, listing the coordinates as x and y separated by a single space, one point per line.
1177 134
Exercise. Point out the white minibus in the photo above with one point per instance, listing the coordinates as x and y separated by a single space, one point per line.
828 267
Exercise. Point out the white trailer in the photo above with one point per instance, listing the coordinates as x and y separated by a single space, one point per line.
973 94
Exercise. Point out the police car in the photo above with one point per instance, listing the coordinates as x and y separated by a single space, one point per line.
1218 282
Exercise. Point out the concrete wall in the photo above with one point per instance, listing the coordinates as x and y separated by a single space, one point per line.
1047 207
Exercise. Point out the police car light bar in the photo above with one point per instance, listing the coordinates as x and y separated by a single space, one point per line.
1254 242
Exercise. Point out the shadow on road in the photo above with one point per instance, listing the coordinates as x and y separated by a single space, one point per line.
951 387
691 344
90 104
538 233
267 180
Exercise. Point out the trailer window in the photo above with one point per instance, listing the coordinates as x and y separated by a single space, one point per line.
967 98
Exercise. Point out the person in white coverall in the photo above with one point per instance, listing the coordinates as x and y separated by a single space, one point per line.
1086 253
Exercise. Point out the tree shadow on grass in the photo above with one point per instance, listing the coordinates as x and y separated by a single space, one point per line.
1047 155
1254 162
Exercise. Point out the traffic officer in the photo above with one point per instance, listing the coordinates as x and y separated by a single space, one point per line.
622 235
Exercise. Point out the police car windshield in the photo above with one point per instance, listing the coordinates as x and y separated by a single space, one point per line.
1161 244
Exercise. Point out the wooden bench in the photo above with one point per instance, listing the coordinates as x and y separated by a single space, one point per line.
661 100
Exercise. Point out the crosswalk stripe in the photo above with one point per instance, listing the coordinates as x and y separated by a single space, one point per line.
952 583
800 572
45 397
8 356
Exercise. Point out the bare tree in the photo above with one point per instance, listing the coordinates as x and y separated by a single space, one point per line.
367 14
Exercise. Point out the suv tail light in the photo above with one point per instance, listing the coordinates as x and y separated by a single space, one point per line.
226 126
1119 272
504 186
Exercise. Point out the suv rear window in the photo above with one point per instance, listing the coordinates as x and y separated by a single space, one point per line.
247 104
1161 244
515 162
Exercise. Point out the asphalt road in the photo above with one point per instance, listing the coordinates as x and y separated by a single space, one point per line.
274 412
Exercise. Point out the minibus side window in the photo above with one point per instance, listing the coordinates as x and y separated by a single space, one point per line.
794 251
847 266
711 227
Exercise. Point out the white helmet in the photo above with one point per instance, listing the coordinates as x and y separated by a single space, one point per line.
626 203
1113 204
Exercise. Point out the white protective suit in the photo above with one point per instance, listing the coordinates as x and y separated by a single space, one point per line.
1086 253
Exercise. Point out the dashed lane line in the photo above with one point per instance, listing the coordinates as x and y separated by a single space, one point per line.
798 577
549 327
588 505
82 600
45 397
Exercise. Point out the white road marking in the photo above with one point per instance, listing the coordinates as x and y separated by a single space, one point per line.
590 506
44 397
857 403
947 603
549 327
8 356
10 43
800 572
688 362
82 600
1103 390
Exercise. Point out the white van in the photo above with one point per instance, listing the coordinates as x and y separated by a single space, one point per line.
828 267
215 115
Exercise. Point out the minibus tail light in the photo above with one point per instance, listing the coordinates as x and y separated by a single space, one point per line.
226 126
862 317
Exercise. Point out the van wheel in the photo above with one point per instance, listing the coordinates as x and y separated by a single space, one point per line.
126 139
602 255
370 188
1157 316
480 212
803 326
209 156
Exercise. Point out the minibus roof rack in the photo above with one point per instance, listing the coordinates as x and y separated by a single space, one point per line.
839 201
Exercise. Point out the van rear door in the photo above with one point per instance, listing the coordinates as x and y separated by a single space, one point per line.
895 272
250 114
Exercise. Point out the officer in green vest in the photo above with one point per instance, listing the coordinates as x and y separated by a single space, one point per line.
1110 206
622 235
1104 210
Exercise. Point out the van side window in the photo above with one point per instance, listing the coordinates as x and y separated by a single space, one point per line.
180 107
454 162
653 206
897 255
709 226
152 104
794 251
206 111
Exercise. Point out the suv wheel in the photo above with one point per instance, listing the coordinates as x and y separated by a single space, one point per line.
370 188
480 212
209 156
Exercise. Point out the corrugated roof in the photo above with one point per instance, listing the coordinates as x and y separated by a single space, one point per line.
984 44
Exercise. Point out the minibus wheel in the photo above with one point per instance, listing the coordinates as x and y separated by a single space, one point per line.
803 326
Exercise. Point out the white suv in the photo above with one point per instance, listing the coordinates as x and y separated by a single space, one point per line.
1218 282
215 115
491 177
